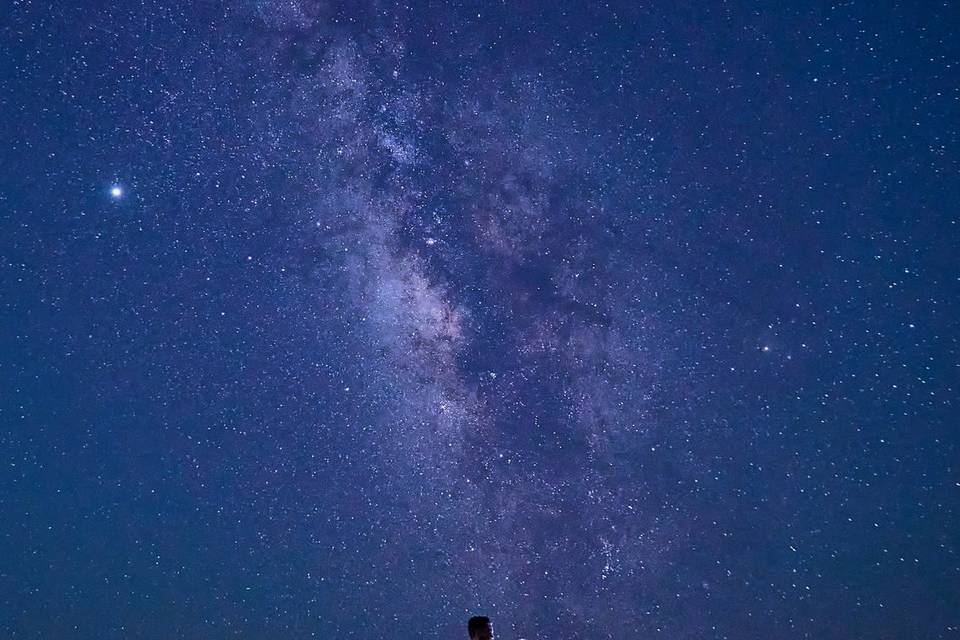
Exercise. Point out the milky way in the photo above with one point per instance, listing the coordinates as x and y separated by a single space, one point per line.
355 320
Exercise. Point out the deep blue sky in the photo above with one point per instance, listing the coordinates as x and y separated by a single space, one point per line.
353 320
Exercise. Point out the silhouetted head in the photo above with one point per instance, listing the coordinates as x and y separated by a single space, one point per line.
479 628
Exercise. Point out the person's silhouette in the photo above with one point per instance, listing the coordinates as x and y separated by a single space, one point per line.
479 628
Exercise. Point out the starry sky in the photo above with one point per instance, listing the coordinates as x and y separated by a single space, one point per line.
355 319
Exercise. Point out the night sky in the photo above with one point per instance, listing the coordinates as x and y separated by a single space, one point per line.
353 320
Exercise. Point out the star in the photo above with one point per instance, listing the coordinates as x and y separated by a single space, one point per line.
116 192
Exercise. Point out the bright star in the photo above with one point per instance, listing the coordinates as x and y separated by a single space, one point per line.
116 192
